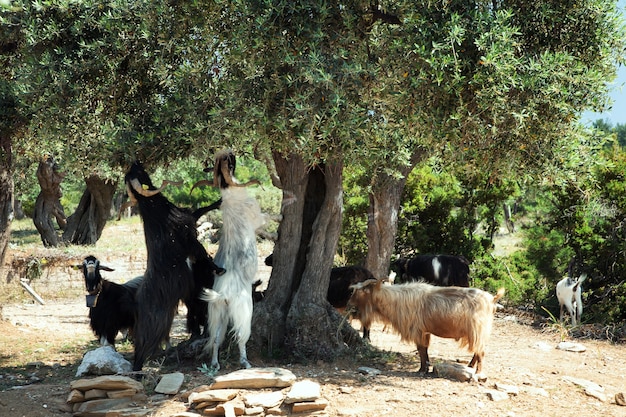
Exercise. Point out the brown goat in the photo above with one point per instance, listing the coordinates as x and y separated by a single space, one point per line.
417 310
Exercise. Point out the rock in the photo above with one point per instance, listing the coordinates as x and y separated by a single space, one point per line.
109 382
587 385
123 393
509 389
368 371
571 347
536 391
619 399
214 395
301 391
99 407
94 394
495 395
252 411
263 399
76 396
316 405
170 383
455 371
103 361
595 394
232 408
255 378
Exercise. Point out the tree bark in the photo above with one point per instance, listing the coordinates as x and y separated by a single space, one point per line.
294 315
48 203
85 225
269 319
382 217
6 193
314 328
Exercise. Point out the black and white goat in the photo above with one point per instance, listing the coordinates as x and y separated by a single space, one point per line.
441 270
569 294
178 265
230 299
112 306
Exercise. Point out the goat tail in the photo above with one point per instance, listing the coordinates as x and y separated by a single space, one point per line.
499 295
212 296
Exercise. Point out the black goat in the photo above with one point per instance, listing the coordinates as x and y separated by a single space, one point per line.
441 270
112 306
178 265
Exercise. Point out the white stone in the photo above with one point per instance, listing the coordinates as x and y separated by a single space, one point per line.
584 383
509 389
213 395
304 390
264 399
170 383
595 394
103 361
495 395
455 371
571 347
256 378
536 391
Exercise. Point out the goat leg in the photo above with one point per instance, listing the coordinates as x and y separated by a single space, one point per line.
424 361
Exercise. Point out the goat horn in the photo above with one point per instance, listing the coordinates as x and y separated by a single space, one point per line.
200 183
231 182
149 193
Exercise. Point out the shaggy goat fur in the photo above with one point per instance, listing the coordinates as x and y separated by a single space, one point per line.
417 310
569 294
178 265
230 300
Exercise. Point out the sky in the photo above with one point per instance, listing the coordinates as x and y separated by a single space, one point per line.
617 115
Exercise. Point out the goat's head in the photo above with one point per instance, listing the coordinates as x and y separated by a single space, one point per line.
224 172
362 291
138 183
93 280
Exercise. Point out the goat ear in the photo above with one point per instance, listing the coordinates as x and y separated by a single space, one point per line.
106 268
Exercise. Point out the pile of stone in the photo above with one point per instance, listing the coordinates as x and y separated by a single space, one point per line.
251 392
256 392
104 394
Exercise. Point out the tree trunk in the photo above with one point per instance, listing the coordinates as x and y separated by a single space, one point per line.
6 193
85 226
296 295
382 224
48 203
269 319
382 217
314 328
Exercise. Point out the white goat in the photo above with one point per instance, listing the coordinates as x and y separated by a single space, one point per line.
230 299
569 294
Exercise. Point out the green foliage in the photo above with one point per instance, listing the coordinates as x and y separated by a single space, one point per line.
443 208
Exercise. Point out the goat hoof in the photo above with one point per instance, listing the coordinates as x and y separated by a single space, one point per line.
245 364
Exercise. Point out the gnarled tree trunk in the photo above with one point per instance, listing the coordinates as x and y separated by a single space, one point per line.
269 319
314 328
295 315
85 225
48 203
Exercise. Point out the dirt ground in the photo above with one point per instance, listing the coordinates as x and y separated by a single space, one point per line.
518 354
41 347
